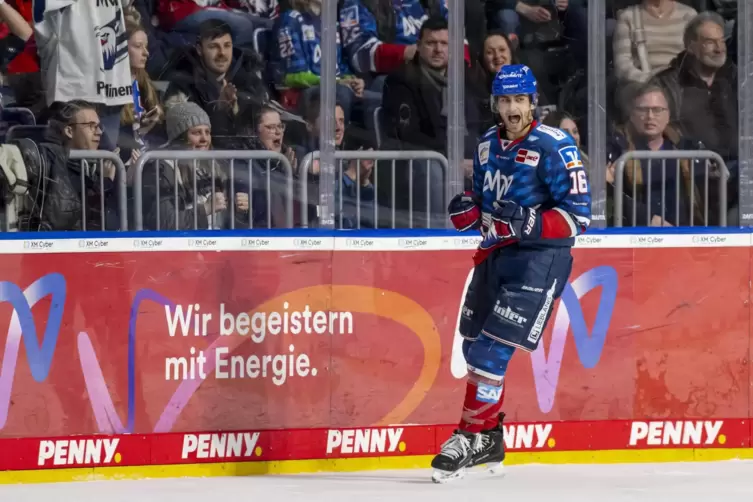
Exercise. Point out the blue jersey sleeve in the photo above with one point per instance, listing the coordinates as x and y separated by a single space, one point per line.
343 67
562 170
290 44
359 33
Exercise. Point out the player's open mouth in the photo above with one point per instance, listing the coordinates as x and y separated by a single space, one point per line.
514 119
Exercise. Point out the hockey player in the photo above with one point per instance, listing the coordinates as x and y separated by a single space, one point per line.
530 199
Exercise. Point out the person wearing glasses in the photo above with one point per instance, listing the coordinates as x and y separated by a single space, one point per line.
249 189
649 128
702 84
56 200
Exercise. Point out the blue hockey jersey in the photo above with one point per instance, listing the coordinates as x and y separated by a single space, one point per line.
360 34
542 170
300 52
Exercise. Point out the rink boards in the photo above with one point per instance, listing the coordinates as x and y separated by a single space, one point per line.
214 354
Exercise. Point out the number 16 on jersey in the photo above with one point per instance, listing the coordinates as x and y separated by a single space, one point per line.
578 180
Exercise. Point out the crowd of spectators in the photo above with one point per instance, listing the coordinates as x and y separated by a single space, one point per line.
132 76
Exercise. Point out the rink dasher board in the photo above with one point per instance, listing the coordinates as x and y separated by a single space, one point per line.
346 243
196 454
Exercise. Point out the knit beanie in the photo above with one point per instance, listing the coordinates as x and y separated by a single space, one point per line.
183 116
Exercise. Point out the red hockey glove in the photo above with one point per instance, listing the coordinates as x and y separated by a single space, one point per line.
465 211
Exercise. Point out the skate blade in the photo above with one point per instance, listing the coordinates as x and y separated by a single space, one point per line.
442 477
492 469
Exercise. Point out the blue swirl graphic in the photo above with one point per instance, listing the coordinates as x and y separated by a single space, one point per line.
591 345
39 357
23 328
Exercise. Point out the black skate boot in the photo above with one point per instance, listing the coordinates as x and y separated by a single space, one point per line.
456 454
489 448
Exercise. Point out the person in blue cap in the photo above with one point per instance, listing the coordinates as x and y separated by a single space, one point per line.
530 198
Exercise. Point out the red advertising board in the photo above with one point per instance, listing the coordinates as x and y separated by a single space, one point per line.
131 352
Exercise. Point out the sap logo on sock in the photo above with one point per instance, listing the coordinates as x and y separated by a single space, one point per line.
509 314
526 436
78 452
228 445
365 441
488 393
662 433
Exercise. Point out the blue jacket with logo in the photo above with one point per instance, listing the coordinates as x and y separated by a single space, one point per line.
300 52
361 35
542 170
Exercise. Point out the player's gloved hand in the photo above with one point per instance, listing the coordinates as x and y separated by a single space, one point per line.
512 221
465 211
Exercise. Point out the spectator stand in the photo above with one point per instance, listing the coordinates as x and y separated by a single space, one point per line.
14 116
434 160
663 156
18 207
230 156
120 182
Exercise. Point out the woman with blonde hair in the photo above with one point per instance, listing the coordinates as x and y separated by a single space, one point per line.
139 120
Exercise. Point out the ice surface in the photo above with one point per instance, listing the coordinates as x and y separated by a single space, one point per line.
688 482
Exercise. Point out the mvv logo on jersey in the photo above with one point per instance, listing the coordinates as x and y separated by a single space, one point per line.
498 182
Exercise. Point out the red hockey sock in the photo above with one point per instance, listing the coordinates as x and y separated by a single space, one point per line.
477 415
492 421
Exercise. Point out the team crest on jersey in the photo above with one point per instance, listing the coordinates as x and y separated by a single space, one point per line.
527 157
483 152
309 34
349 23
113 42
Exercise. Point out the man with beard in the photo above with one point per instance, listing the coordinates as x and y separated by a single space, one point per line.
702 83
415 106
530 199
222 79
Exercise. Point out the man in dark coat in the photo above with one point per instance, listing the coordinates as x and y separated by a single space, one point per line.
225 81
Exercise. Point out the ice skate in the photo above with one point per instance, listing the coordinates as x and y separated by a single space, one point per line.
455 455
489 449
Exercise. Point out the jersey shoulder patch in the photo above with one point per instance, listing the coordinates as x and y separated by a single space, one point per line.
570 156
555 133
491 132
349 15
309 33
483 151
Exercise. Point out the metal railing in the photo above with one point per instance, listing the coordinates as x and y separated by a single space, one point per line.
431 158
27 211
120 185
663 156
213 156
